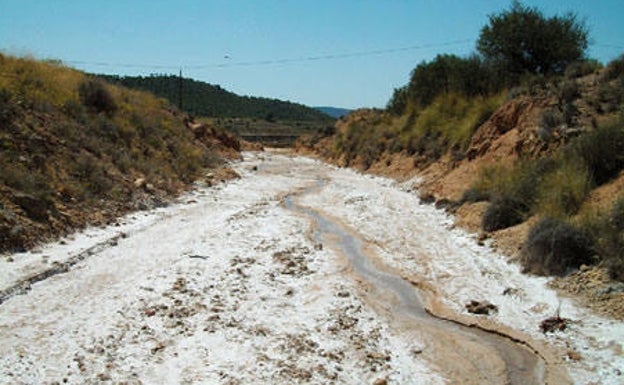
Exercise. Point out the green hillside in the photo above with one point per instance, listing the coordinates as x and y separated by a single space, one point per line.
207 100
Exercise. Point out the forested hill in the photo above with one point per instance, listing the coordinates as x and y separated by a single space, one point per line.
203 99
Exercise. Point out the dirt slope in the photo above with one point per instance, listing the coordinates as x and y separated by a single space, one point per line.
516 130
76 151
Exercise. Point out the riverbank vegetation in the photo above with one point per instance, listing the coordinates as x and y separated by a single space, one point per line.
540 121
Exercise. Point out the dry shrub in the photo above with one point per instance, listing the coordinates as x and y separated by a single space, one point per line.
582 68
608 231
553 247
615 69
513 192
474 194
8 108
569 91
615 250
551 119
95 96
563 190
601 151
502 213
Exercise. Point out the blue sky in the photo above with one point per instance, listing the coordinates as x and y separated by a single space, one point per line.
293 50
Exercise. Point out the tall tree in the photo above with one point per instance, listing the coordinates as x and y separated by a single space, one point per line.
446 73
522 40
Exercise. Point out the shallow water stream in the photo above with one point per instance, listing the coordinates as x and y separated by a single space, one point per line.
521 365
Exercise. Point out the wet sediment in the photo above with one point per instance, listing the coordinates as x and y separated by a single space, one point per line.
488 356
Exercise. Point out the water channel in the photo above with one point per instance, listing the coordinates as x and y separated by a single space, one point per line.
521 364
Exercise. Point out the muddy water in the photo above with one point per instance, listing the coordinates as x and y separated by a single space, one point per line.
521 365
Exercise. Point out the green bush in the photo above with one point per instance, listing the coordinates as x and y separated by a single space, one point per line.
553 247
601 152
20 178
513 191
563 190
446 74
570 112
523 40
610 96
398 102
615 264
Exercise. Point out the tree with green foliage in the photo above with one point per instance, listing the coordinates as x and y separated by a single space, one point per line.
522 40
203 99
446 73
398 102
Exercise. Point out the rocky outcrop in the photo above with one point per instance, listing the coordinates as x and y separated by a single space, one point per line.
518 116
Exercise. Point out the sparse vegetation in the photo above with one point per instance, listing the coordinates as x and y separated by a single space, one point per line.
514 191
446 124
614 70
71 148
607 231
562 191
554 246
611 242
503 212
554 186
96 97
600 151
575 144
582 68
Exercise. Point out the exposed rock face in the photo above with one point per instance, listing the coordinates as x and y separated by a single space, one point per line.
208 134
521 115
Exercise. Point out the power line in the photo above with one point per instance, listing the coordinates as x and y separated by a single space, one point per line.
334 56
609 46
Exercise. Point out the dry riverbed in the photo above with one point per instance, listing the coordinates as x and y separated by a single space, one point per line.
231 286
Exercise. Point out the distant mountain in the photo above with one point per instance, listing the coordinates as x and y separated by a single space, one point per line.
208 100
334 112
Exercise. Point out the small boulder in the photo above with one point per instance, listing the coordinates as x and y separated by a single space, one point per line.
553 324
381 381
481 307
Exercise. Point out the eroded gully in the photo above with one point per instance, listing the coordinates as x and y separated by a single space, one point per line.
466 354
